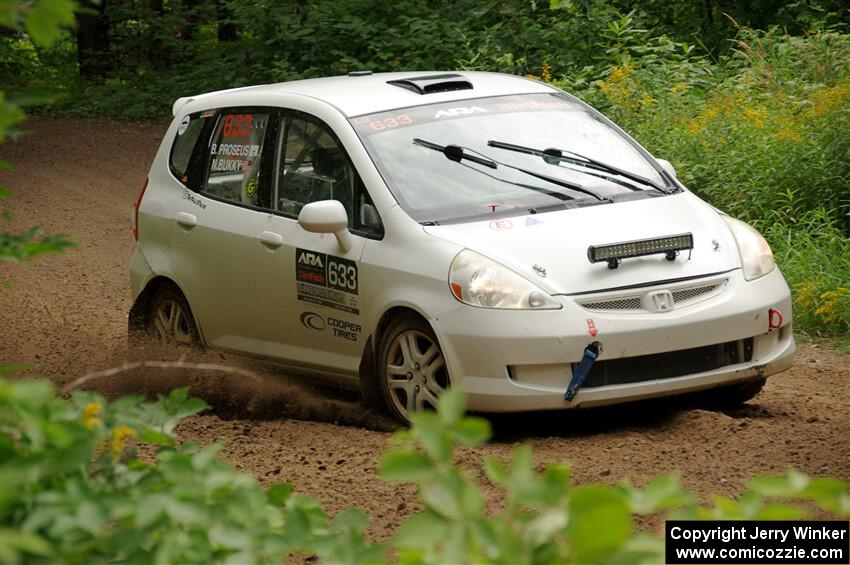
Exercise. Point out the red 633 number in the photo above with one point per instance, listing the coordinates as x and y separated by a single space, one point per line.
392 122
237 125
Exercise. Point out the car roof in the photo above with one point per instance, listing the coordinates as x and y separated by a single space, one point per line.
357 94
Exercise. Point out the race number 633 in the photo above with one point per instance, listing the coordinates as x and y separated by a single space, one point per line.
342 275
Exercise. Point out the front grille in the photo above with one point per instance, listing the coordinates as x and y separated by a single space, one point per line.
669 365
681 297
630 303
687 294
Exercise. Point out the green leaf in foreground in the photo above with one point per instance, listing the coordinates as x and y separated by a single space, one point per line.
404 466
600 523
46 18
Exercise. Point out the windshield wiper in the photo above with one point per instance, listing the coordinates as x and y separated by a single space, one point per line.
457 154
554 156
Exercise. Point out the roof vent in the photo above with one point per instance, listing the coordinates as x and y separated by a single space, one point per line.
433 83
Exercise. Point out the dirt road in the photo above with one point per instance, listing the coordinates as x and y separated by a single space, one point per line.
67 315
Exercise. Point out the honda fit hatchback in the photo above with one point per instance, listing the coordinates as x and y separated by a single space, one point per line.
407 232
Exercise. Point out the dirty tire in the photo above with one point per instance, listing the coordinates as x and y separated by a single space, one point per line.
411 368
170 321
735 395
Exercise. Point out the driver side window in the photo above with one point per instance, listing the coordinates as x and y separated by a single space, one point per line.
313 166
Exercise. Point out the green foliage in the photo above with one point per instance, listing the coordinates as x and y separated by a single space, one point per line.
544 518
154 52
76 489
761 134
88 481
43 21
28 245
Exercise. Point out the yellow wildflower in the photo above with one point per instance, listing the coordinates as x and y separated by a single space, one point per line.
829 308
119 440
709 113
788 134
90 412
828 99
756 115
546 72
691 125
619 74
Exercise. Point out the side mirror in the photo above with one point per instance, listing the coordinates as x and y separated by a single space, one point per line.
327 216
667 166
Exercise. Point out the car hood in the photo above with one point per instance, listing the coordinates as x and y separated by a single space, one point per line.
558 242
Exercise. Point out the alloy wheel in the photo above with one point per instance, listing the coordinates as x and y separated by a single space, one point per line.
415 371
172 324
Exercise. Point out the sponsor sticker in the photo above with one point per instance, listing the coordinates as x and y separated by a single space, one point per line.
227 165
312 321
501 225
183 126
251 188
327 280
461 111
235 150
339 328
196 200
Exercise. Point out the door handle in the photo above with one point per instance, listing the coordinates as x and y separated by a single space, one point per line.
271 239
187 220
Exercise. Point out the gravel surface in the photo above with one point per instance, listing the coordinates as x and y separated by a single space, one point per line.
67 315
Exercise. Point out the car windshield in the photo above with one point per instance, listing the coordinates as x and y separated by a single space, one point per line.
459 161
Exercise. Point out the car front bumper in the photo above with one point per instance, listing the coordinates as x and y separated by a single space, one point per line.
523 360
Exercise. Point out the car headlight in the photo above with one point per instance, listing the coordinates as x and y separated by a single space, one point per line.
756 256
478 281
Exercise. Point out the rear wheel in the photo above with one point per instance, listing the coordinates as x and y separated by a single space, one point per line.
411 368
171 321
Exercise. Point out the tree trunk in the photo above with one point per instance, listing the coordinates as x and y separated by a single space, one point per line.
227 30
709 14
93 39
158 56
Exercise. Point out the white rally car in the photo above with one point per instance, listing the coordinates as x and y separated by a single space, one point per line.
410 231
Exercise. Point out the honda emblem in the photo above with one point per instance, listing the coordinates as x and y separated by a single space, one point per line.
661 301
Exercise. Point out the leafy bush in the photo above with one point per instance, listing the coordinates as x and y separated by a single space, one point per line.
545 519
76 489
761 135
87 481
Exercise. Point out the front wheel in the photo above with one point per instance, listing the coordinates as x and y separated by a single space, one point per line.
411 368
171 321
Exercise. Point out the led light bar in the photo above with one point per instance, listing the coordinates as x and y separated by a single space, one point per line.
614 253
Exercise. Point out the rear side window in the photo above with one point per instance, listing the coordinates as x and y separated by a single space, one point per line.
235 152
186 151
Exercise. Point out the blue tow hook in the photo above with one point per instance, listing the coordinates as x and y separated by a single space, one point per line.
591 352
